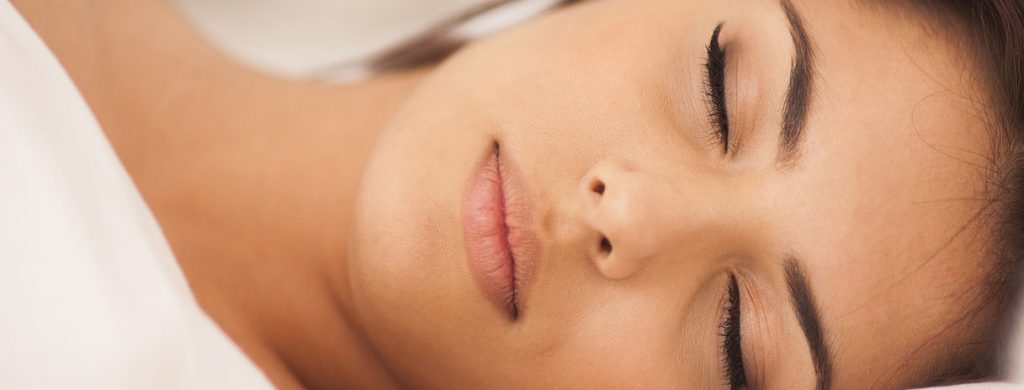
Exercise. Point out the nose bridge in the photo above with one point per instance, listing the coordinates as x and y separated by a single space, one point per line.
641 213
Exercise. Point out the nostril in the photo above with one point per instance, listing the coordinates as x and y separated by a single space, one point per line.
606 246
597 186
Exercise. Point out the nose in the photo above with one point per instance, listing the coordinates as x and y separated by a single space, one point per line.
639 214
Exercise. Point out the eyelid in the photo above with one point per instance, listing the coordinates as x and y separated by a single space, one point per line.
731 333
731 89
756 327
715 89
743 89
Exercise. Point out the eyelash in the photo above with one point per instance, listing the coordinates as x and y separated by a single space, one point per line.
714 72
732 346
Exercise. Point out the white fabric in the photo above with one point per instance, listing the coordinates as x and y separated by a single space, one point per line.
1016 364
982 386
297 38
1016 359
90 293
471 24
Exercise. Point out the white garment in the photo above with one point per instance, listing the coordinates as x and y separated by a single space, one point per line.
90 293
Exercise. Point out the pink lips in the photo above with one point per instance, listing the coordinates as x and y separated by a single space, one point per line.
497 244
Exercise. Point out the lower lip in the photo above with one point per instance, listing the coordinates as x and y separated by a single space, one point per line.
487 236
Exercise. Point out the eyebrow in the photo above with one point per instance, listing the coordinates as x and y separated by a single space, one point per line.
810 322
798 95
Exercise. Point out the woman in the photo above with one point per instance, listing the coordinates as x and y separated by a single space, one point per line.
641 194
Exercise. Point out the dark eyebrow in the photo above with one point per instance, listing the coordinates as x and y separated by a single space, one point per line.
810 322
798 95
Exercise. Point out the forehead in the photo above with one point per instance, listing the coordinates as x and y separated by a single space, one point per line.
893 186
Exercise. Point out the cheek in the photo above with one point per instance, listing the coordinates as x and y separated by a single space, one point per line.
626 343
590 87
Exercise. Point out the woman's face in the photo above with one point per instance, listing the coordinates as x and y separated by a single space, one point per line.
844 212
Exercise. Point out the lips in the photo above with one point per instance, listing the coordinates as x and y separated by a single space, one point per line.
499 244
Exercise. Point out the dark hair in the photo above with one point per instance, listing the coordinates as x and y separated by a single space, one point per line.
992 33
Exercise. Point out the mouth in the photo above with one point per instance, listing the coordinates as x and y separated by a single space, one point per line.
499 244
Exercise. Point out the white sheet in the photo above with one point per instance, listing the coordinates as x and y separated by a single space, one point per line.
296 38
90 294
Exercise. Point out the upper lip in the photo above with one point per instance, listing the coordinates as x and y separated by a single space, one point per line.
502 265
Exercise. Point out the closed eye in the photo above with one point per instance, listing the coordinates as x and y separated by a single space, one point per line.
732 341
714 71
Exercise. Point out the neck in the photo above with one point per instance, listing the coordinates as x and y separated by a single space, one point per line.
251 177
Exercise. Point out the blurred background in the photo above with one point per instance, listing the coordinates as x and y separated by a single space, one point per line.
298 37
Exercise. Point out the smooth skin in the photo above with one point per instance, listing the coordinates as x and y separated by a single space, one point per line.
320 226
